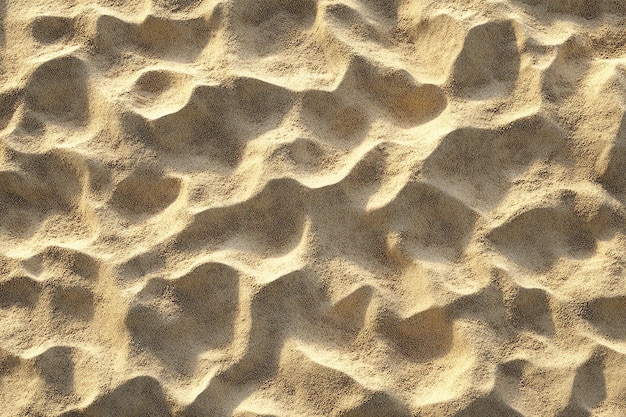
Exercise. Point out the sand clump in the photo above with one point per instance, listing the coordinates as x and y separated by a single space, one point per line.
312 208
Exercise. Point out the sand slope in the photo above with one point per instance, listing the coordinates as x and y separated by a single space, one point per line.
312 208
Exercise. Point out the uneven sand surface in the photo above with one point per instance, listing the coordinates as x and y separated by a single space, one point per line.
312 208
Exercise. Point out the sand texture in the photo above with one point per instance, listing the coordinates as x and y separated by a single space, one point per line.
349 208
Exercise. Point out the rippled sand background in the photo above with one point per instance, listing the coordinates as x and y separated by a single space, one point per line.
312 208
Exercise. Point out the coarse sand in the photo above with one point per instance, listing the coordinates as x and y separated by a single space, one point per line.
351 208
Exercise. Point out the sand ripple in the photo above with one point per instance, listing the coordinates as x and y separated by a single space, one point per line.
312 208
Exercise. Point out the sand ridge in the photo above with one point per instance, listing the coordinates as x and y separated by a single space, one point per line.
312 208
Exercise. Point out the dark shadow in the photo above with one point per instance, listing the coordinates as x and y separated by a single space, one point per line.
478 165
422 337
277 310
206 301
377 405
538 238
271 222
607 316
56 367
589 388
489 406
531 311
613 175
215 124
3 15
19 291
490 55
141 396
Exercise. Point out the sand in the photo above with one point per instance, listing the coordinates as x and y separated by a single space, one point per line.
312 208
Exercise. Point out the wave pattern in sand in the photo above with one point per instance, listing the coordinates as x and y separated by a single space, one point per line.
312 208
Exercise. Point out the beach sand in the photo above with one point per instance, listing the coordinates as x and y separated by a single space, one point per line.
312 208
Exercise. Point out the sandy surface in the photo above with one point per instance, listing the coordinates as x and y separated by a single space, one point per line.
312 208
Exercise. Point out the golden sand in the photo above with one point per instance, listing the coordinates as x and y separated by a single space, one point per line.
312 208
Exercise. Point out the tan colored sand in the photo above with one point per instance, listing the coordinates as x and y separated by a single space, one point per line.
312 208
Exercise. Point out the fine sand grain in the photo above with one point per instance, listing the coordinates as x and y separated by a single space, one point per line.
355 208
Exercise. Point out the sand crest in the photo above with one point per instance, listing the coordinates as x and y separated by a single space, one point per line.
312 208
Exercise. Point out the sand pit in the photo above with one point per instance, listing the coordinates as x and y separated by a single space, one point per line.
349 208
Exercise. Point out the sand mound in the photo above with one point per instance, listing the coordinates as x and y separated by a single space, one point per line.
312 208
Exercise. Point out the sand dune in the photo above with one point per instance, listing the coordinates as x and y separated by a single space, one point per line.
312 208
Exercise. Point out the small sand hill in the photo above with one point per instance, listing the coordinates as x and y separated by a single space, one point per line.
351 208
